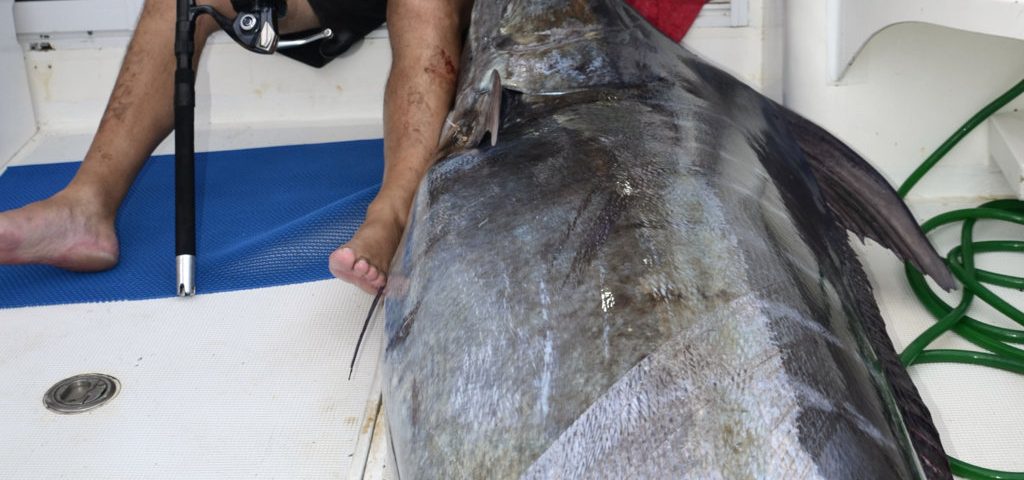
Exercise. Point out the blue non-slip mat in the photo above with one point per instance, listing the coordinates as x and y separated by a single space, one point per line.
264 217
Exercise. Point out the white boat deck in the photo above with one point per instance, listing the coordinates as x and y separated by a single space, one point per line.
248 384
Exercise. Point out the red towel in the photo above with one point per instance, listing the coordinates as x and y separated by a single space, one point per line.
672 17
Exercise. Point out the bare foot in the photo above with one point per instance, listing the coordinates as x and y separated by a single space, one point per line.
364 260
63 231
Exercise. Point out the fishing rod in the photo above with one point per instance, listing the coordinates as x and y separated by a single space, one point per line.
255 29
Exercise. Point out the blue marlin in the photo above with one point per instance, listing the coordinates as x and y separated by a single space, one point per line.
647 275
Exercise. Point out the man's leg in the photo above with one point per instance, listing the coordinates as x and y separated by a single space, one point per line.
74 229
426 43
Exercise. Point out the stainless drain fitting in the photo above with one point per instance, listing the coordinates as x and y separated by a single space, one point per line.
81 393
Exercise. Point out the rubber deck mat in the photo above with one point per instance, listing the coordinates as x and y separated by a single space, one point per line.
264 217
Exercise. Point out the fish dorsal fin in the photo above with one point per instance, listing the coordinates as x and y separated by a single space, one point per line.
863 201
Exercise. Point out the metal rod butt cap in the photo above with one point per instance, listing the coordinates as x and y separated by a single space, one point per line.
186 275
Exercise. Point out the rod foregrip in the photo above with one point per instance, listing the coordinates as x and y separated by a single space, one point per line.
184 200
184 183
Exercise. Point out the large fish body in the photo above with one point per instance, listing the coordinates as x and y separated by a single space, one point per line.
647 277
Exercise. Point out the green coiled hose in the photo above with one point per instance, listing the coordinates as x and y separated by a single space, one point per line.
998 341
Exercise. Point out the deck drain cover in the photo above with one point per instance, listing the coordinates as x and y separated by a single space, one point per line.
81 392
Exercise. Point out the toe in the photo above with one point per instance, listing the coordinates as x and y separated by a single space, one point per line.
341 261
346 257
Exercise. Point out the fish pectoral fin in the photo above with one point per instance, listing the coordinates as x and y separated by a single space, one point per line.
477 113
863 201
494 107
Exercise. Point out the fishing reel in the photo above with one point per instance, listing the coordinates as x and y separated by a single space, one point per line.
255 25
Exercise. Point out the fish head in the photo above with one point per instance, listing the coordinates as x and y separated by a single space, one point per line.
549 48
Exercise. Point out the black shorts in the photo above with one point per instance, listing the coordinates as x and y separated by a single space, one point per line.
351 20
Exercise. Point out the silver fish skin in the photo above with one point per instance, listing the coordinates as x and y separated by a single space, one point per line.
642 279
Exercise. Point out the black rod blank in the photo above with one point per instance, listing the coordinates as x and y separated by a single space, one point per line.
184 149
